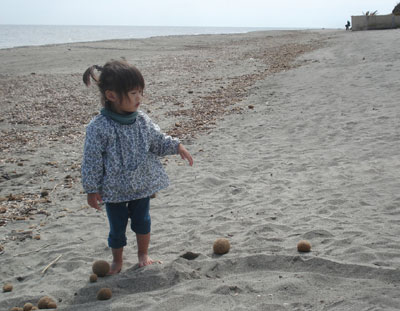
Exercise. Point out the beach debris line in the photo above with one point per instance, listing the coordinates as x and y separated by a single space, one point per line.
104 294
101 268
221 246
17 207
304 246
207 109
8 287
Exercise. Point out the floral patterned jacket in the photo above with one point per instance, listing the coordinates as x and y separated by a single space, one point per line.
121 162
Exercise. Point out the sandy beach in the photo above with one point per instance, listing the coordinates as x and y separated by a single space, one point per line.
294 136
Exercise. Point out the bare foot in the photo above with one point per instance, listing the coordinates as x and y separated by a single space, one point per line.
115 268
145 260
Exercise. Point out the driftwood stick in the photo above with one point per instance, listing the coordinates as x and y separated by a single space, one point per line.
55 187
35 251
50 264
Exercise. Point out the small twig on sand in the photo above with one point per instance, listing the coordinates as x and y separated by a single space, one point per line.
55 187
35 251
50 264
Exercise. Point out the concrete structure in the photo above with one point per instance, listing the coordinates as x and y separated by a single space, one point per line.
364 22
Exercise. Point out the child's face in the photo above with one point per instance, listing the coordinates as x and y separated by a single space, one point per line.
130 102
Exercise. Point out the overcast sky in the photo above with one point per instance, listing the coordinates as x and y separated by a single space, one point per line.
227 13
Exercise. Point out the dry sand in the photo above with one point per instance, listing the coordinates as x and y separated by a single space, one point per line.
294 135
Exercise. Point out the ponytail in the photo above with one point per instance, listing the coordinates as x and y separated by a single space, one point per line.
89 73
117 76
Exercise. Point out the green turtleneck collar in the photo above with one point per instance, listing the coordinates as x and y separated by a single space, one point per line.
120 118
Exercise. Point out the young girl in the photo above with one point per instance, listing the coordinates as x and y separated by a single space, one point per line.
121 164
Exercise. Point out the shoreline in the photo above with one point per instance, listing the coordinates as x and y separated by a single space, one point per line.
240 30
305 150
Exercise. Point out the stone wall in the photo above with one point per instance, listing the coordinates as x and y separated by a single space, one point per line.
364 22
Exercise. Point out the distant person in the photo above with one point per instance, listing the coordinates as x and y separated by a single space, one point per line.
347 25
121 165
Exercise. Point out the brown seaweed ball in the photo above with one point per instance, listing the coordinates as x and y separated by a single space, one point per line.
52 305
221 246
35 308
304 246
93 278
28 306
101 268
8 287
16 309
104 294
45 302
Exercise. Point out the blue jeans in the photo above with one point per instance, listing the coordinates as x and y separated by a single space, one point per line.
118 215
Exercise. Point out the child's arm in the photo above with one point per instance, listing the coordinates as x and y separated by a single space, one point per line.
162 144
92 165
185 154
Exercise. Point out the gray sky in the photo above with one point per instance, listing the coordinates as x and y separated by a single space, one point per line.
233 13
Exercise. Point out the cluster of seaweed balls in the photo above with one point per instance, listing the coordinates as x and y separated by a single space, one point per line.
101 268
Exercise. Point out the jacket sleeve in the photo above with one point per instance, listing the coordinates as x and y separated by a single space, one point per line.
160 143
92 164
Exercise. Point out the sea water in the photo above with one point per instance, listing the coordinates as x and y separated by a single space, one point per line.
28 35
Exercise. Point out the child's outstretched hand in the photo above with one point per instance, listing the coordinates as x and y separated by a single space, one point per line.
93 199
185 154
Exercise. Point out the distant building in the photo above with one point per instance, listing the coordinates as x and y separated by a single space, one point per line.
371 22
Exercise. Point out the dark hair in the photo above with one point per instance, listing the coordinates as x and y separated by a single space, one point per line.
117 76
